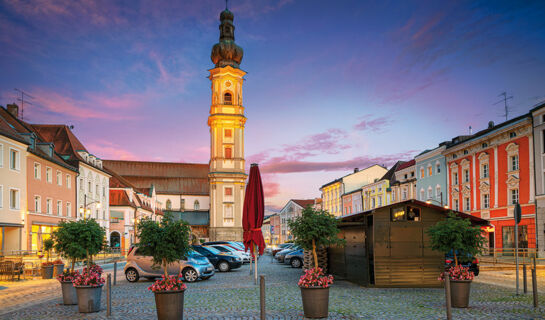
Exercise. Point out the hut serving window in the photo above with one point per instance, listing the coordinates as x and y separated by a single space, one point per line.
405 214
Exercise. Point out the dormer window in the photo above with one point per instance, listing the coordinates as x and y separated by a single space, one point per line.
227 98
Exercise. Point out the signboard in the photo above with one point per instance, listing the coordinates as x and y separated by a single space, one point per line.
272 229
518 213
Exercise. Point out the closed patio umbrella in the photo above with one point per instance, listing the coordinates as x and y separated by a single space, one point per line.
252 215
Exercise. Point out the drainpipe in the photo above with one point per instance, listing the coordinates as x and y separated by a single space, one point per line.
535 186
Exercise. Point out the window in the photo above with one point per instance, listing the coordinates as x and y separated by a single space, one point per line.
68 181
430 193
484 169
422 195
466 152
81 184
422 173
13 159
397 214
404 195
508 236
182 204
512 134
405 176
37 204
227 98
196 205
467 206
455 178
412 173
48 206
484 145
373 203
456 205
430 171
68 209
454 156
97 190
514 196
486 201
169 204
438 194
228 153
438 168
59 178
229 212
48 175
89 187
37 171
379 201
514 162
466 175
59 207
228 133
14 200
542 147
228 192
393 196
104 191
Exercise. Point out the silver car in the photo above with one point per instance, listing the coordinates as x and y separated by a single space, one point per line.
194 267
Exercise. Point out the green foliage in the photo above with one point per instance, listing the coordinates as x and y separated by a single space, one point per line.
77 240
457 234
166 241
48 245
316 226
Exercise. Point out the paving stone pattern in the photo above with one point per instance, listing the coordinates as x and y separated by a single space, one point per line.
233 295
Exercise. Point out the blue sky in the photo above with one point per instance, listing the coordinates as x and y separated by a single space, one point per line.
331 85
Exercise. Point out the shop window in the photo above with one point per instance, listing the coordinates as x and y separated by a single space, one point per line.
508 236
398 214
413 213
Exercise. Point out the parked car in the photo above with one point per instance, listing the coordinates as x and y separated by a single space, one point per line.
282 254
464 259
192 267
232 244
295 258
227 249
221 261
281 247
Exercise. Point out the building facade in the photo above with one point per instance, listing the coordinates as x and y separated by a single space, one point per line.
275 228
431 181
376 194
491 171
352 202
404 187
291 210
538 121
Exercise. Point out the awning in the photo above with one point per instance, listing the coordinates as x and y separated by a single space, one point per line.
12 225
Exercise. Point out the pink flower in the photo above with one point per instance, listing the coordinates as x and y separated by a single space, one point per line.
315 278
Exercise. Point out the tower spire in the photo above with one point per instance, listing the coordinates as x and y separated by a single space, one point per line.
226 52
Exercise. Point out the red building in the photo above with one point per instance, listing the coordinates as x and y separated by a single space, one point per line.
489 172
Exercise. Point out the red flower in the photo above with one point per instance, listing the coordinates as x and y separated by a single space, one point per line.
457 273
315 278
171 283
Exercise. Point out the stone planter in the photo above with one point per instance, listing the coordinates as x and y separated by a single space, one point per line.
88 298
47 272
69 294
315 302
59 268
459 293
170 305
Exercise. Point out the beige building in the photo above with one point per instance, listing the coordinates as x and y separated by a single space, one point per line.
538 120
404 187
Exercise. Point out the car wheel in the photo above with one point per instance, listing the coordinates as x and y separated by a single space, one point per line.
132 275
296 263
224 266
190 275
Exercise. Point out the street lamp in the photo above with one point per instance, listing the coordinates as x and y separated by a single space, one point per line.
85 210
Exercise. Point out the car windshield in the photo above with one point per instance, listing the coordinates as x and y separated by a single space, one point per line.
228 248
221 248
194 254
213 250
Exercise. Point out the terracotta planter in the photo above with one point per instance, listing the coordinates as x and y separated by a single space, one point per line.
47 272
88 298
59 268
170 305
459 293
69 294
315 302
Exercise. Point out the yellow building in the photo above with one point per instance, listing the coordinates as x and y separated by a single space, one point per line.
332 197
376 194
226 121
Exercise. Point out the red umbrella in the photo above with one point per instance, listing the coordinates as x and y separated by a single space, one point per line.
253 212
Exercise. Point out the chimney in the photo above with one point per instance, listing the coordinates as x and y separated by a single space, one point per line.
14 110
490 124
470 130
356 170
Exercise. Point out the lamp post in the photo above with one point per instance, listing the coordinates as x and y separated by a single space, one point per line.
84 210
429 201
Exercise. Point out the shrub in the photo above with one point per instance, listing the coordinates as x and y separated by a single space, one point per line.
48 245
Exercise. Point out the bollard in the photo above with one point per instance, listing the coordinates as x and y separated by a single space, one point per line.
524 280
447 293
534 284
109 295
262 296
115 273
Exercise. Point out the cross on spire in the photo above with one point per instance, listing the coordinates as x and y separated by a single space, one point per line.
226 4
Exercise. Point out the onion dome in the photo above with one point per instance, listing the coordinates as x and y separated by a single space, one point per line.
226 52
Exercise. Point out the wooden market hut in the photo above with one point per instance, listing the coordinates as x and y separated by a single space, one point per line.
388 246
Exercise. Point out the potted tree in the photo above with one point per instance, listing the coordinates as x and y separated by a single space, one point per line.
457 235
166 241
312 230
58 267
89 283
47 266
67 245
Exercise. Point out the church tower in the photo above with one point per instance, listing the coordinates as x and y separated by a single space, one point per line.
226 121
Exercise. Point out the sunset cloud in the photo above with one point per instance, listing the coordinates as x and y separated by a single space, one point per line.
370 123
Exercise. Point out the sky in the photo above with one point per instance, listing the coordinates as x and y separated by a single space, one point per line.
331 85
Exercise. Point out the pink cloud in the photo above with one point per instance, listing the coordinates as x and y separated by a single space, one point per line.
325 142
372 124
108 150
271 189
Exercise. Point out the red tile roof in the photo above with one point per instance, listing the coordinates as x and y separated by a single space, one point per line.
304 203
166 177
120 198
406 165
66 143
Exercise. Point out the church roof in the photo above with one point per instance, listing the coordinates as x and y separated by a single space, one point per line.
166 177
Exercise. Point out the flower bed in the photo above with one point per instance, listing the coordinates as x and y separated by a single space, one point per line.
58 261
315 278
172 283
457 273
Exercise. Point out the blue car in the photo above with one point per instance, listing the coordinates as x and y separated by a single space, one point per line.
295 258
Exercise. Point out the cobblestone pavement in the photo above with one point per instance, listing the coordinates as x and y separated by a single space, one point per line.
233 295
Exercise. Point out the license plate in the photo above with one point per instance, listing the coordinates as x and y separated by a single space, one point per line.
209 269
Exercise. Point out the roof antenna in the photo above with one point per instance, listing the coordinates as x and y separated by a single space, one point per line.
22 99
506 107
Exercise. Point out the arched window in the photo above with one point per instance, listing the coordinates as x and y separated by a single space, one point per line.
169 204
227 98
196 205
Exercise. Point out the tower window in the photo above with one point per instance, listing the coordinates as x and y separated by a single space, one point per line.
228 133
228 153
227 98
228 191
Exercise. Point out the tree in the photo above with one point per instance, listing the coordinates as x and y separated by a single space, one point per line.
456 234
315 229
80 239
166 241
48 245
